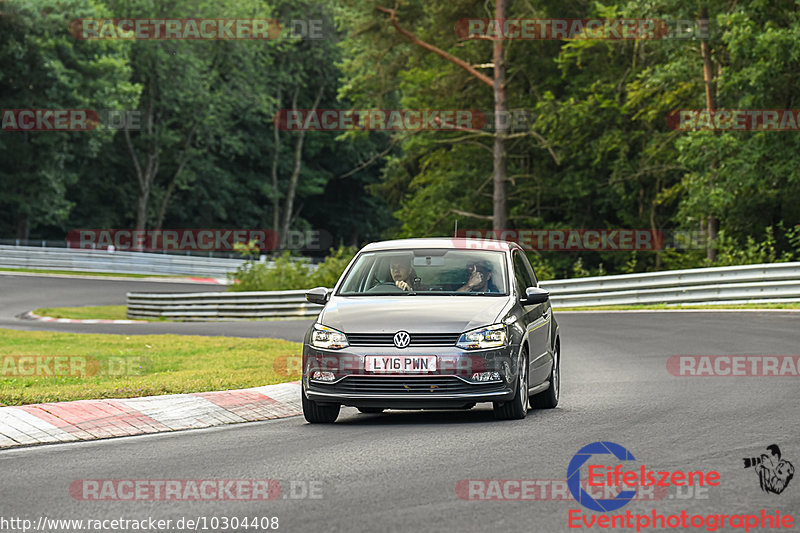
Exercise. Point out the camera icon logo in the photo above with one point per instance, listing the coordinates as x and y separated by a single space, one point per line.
774 473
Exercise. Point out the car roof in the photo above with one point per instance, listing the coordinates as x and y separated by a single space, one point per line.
453 243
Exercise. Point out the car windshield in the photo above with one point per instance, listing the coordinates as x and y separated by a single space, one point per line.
423 271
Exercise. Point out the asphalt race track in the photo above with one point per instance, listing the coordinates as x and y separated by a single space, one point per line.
399 471
19 294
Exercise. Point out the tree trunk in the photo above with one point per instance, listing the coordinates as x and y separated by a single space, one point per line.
711 105
141 209
184 158
162 211
499 213
658 245
298 166
713 225
276 200
145 176
23 227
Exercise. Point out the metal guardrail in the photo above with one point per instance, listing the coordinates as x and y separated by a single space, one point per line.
735 284
65 245
115 262
671 278
777 282
221 305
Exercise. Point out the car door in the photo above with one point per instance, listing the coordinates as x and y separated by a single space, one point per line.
537 318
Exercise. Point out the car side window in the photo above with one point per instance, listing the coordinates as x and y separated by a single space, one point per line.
521 274
530 269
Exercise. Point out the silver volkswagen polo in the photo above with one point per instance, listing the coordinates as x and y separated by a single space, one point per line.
432 324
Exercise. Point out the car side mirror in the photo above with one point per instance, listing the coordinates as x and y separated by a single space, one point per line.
318 295
534 295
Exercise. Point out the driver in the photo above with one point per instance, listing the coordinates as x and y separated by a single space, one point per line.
403 274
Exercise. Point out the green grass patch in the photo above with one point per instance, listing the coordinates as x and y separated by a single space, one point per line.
665 306
81 273
103 312
128 366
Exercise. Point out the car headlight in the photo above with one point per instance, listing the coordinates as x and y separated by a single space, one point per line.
493 336
329 338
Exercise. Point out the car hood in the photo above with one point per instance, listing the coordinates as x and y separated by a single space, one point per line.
415 314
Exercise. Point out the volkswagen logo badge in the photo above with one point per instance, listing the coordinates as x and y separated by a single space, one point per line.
402 339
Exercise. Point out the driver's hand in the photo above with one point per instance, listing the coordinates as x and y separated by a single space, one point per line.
475 279
403 285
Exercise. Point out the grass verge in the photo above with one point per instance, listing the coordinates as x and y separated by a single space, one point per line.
122 366
93 312
81 273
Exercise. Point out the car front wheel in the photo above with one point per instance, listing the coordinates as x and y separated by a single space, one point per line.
517 408
549 399
316 413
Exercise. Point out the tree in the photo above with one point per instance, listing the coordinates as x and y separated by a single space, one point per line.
498 84
188 91
44 67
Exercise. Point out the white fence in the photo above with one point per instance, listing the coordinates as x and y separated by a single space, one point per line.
777 282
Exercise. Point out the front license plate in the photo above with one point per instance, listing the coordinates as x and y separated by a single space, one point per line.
400 363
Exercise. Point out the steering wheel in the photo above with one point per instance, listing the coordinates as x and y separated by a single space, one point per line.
385 287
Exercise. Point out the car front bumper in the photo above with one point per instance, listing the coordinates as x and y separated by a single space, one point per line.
450 386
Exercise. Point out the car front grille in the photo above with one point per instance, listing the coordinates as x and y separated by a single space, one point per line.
405 385
417 339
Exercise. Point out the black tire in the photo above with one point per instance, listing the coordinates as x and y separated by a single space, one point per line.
370 410
516 408
549 399
318 414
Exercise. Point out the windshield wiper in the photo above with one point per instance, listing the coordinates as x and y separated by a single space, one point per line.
403 293
467 293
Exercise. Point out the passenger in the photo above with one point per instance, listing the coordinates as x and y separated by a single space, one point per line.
479 278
